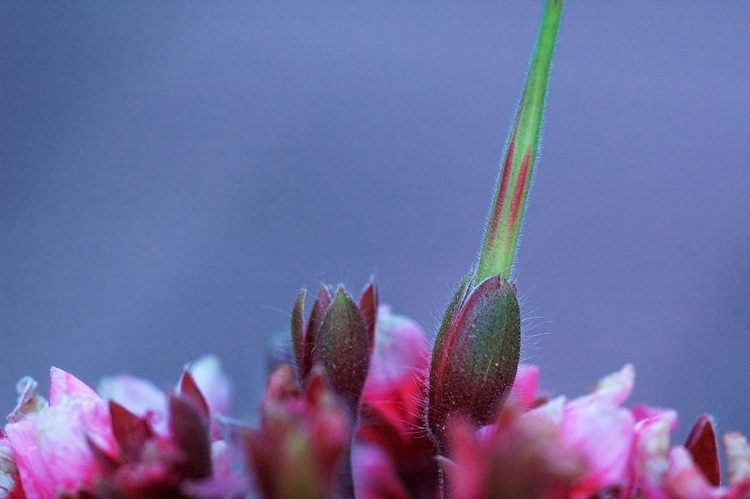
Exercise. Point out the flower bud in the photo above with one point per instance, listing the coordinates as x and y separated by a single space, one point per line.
702 445
475 357
302 440
339 336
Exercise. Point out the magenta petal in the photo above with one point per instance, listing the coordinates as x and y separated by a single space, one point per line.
63 383
524 386
401 347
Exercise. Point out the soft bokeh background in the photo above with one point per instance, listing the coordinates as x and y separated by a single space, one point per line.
171 174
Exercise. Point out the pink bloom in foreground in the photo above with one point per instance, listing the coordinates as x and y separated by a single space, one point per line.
591 446
80 445
133 440
599 429
51 443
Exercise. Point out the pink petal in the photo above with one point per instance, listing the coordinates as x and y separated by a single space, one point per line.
524 386
400 348
36 476
684 479
63 383
603 434
596 427
51 449
139 396
616 387
738 457
650 452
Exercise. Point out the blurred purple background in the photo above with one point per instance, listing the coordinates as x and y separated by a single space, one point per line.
172 174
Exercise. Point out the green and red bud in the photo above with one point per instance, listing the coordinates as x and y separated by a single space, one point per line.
339 337
475 357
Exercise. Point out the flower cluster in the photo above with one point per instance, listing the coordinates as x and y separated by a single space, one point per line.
366 408
132 440
129 440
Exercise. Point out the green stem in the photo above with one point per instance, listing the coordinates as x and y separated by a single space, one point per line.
504 224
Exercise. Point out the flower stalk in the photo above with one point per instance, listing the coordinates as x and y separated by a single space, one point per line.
506 213
477 349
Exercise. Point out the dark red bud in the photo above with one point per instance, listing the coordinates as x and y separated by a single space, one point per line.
299 448
702 445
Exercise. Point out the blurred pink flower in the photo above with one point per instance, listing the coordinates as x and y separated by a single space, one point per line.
591 446
597 428
79 443
143 398
50 444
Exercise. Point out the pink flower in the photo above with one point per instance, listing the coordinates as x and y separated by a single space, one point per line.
517 456
598 429
392 455
81 444
532 449
51 444
143 398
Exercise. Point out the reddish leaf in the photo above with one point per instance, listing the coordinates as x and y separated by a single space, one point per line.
298 324
190 431
130 431
189 391
310 340
368 307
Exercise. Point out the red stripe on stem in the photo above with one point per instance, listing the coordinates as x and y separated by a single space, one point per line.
516 204
504 180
